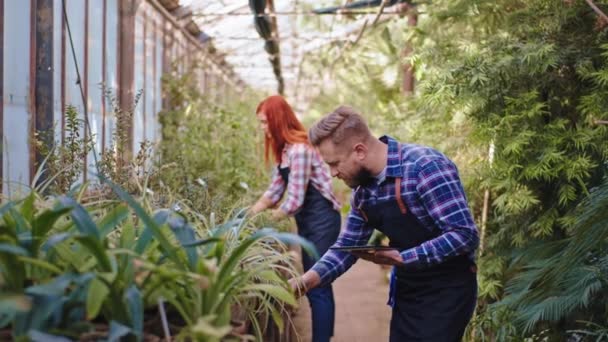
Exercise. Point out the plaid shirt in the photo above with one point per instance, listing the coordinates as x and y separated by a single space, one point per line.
305 166
432 191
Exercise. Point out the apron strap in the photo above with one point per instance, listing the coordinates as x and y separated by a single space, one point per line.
362 212
358 207
400 203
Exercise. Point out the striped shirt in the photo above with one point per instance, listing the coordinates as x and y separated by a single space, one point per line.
432 191
306 166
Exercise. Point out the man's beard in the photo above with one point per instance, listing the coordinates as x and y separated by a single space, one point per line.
362 178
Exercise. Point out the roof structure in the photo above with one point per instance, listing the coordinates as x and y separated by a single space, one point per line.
229 25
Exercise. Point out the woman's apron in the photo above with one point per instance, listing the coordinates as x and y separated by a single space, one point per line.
318 222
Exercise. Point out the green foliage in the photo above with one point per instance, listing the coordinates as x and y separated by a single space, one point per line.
65 268
527 78
57 253
211 154
63 168
531 84
63 161
100 260
595 332
115 163
567 277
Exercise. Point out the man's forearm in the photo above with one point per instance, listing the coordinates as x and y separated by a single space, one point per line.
311 279
306 282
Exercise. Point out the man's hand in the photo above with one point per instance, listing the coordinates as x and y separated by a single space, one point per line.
391 257
298 287
302 284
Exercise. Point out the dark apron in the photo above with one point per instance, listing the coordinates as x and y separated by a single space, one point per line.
433 304
317 220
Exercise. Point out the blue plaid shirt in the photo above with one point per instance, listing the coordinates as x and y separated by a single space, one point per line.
431 190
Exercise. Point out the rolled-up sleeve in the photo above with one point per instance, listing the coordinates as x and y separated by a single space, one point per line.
440 191
277 187
300 169
334 263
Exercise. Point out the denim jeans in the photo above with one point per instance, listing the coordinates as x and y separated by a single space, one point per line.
323 310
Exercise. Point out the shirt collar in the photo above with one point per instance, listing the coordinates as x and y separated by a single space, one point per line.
381 177
393 158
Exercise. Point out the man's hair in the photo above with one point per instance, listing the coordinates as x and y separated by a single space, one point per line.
344 123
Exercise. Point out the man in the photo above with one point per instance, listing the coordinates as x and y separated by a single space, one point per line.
412 194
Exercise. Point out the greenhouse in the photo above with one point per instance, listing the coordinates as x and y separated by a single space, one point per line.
305 170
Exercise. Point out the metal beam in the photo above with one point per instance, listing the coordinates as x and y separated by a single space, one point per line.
296 13
85 88
104 68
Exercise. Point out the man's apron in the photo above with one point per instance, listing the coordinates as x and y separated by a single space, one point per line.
432 304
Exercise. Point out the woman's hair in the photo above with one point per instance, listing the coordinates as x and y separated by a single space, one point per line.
283 126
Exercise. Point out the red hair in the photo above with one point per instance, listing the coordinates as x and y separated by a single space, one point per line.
283 126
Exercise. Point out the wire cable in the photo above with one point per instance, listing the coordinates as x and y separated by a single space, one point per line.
79 82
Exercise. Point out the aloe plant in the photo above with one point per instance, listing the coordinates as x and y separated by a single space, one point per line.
247 267
65 267
55 268
229 264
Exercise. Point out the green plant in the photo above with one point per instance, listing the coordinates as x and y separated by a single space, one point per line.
115 162
592 332
568 277
66 268
528 79
62 166
208 164
52 262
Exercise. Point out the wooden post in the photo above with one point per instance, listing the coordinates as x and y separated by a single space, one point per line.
126 68
486 205
484 220
42 79
408 68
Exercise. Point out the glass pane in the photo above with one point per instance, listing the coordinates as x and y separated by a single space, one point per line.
76 19
57 71
95 75
16 151
149 85
111 64
138 82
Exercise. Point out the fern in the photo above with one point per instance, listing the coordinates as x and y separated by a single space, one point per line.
572 277
529 78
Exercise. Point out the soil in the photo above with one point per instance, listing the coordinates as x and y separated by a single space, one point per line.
361 311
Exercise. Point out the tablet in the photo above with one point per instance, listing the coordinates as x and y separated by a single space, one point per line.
367 248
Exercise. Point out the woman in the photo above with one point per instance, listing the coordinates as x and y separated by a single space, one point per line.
302 174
